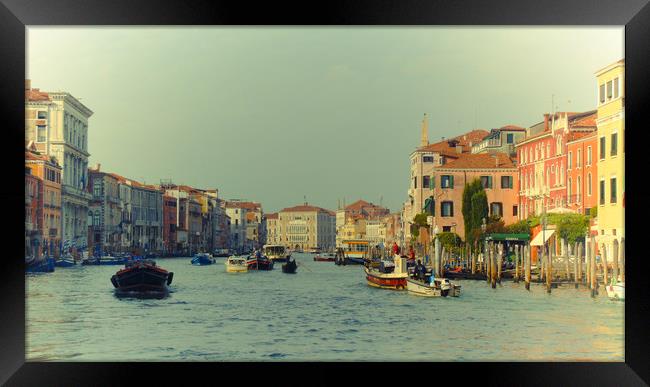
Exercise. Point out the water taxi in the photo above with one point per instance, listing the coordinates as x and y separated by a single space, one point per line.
389 275
276 253
236 265
441 287
355 251
201 259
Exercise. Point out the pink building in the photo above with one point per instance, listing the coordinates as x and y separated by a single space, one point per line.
498 174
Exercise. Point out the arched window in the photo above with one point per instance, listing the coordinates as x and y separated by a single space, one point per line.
589 184
569 191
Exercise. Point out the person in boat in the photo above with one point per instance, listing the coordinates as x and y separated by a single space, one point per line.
395 249
258 254
420 270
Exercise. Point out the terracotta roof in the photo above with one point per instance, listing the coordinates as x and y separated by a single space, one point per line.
573 136
480 161
464 140
245 205
272 216
512 127
306 208
36 95
584 120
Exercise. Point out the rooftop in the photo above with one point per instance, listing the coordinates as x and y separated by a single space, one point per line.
464 140
307 208
481 161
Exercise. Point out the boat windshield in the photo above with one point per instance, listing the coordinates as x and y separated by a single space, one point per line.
356 246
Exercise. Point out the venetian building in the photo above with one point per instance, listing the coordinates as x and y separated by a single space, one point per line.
57 122
305 226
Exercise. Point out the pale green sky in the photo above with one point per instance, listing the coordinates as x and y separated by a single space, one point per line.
271 114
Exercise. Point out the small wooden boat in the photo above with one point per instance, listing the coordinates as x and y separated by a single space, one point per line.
290 267
202 259
65 261
441 287
142 277
262 263
329 257
616 291
236 265
389 275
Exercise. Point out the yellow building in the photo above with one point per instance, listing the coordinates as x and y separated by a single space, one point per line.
611 154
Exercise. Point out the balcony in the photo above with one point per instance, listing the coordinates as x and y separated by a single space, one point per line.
73 191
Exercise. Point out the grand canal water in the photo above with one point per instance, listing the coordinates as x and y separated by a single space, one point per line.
324 312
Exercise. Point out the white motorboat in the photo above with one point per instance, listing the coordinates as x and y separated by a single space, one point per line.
441 287
616 291
236 265
276 253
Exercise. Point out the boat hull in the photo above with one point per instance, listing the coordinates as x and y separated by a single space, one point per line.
202 261
324 259
391 281
421 289
616 292
290 267
236 268
41 266
64 263
142 279
101 262
259 264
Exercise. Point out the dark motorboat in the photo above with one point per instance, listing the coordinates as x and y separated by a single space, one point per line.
142 277
39 265
259 263
290 267
203 259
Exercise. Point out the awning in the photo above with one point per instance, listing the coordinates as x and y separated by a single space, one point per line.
537 241
508 237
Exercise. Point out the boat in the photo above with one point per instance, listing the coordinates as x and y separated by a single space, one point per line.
222 253
441 287
276 253
354 252
290 267
261 263
202 259
616 291
329 257
104 260
65 261
140 278
39 265
313 250
389 275
236 264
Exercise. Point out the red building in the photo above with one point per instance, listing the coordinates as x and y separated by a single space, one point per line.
170 217
542 157
582 172
33 214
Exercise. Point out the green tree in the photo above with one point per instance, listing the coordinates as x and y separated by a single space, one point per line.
479 211
419 220
449 240
521 227
474 209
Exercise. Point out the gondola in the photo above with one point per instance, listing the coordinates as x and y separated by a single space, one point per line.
290 267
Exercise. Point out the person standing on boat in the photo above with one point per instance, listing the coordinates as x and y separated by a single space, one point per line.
411 253
395 249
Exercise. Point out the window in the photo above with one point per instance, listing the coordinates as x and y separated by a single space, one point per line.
496 208
569 160
415 182
614 144
447 209
510 138
569 191
41 133
615 87
506 181
97 189
612 187
602 93
427 159
42 115
446 228
578 189
589 184
578 158
609 90
514 211
588 155
426 181
548 149
486 181
446 181
602 148
602 192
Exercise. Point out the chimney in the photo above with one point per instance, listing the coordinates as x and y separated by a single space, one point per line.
546 115
28 84
98 166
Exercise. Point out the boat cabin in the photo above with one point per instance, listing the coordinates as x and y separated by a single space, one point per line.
274 251
356 248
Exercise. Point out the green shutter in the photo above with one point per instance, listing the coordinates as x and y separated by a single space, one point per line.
489 181
451 181
432 182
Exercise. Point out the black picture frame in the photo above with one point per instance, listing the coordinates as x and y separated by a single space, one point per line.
15 15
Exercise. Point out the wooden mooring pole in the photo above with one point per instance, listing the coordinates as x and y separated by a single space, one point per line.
517 255
622 253
615 262
499 261
527 266
493 269
549 269
605 265
593 284
566 259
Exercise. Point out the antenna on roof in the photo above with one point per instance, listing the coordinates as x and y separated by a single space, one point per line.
305 196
